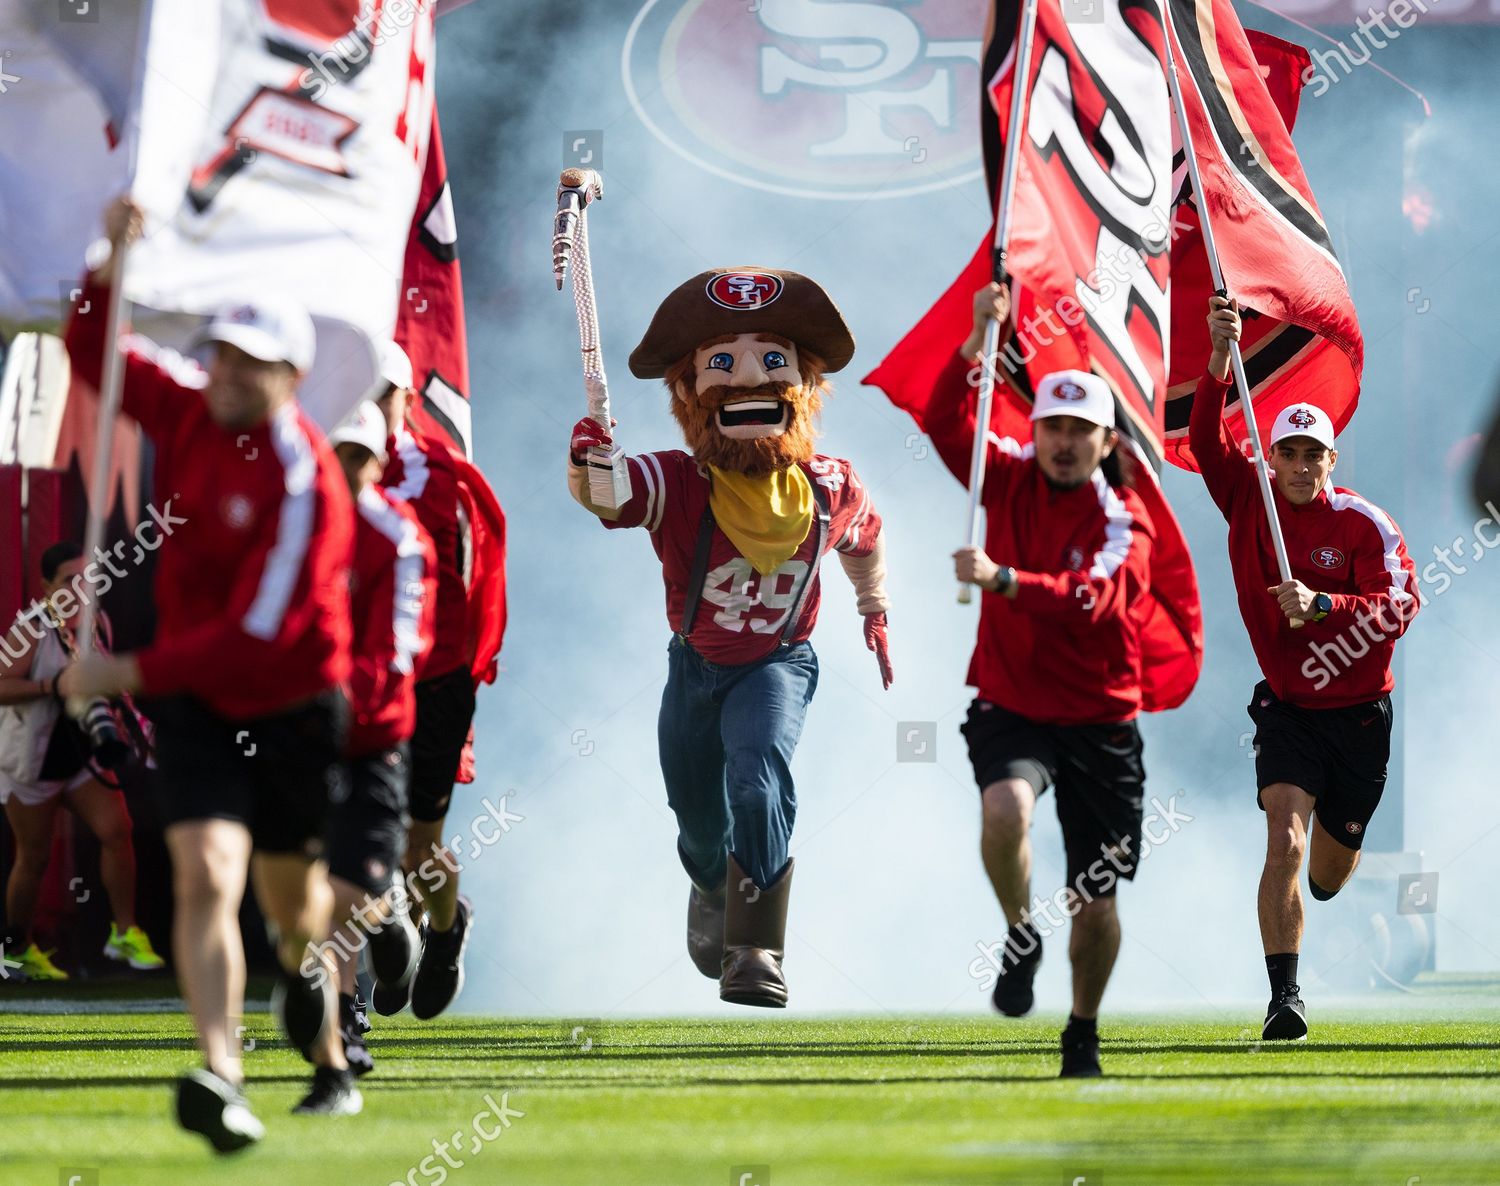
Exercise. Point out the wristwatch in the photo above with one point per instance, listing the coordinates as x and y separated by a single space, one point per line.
1323 606
1005 579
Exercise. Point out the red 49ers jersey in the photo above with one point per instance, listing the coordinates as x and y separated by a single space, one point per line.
743 615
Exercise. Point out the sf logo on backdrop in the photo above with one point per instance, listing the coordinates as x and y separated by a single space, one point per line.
813 98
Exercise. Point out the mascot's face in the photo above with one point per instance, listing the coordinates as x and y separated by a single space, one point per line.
748 402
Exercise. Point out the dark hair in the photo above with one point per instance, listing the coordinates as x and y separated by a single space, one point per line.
1119 467
58 555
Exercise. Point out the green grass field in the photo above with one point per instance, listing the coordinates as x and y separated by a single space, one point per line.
792 1102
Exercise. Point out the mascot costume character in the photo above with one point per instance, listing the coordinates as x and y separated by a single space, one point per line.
740 523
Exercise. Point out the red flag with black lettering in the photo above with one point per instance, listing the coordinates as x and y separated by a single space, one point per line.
1301 339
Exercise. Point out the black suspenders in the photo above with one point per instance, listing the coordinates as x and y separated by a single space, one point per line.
700 567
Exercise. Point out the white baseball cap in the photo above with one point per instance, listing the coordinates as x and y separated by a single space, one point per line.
1074 393
395 366
363 426
270 330
1303 420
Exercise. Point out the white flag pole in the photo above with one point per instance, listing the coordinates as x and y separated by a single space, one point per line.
1025 36
1262 470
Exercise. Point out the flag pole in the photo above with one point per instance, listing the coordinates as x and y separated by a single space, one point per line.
1018 108
112 386
1236 360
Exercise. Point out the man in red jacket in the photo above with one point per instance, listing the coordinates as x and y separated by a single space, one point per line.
1066 559
1324 642
419 472
252 646
393 586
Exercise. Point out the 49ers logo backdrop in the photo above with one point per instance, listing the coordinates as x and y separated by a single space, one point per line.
813 98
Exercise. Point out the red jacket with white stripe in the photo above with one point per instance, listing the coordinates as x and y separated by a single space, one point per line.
1066 650
252 595
1339 544
742 614
420 473
392 599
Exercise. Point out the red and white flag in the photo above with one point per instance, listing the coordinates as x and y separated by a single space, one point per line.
276 145
430 327
1301 339
1089 261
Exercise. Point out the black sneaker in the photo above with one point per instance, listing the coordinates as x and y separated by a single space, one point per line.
361 1018
356 1050
1080 1055
393 951
1286 1017
304 1003
216 1109
333 1094
440 974
390 999
1019 960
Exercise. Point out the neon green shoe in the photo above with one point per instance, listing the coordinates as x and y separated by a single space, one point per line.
33 964
133 948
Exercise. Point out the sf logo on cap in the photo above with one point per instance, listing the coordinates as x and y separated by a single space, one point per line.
1302 418
1070 391
744 290
243 315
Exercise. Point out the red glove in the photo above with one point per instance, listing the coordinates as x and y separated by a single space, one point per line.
588 434
877 639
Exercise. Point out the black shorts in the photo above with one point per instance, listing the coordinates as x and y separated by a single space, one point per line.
366 833
276 774
1099 776
1337 755
445 710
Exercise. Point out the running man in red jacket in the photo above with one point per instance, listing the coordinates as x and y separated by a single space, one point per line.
420 474
1323 711
393 594
245 674
1066 557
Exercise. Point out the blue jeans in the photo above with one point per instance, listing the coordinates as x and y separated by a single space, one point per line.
726 736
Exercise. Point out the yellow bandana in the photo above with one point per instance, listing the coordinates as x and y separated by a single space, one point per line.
766 518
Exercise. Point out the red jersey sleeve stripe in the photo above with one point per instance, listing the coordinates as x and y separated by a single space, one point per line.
1117 533
413 467
410 568
657 482
1390 538
278 580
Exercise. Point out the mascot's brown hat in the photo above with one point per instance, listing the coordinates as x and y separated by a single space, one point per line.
743 300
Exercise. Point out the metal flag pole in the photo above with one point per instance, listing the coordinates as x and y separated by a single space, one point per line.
609 481
1022 81
1236 361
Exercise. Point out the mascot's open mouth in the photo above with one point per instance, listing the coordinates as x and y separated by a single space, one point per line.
749 418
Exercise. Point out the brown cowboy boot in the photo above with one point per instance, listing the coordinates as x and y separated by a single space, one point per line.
705 922
754 939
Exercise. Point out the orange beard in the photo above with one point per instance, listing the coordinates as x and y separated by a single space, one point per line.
697 416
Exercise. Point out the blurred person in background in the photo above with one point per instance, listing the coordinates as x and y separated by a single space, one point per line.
392 587
48 759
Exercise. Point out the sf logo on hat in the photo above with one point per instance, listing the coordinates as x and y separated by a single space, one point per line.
243 315
1302 418
744 290
1070 390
